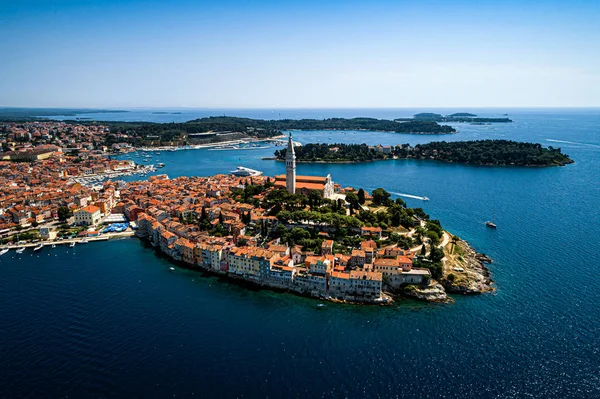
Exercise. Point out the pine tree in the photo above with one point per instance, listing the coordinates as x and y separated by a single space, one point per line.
361 196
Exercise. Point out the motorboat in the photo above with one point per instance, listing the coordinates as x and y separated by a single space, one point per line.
3 251
425 199
72 244
20 250
38 247
491 224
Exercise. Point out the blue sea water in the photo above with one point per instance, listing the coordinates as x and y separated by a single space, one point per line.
111 319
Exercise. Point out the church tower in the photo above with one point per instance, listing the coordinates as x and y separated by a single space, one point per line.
290 167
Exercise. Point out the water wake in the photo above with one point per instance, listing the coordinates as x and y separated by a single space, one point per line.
410 196
573 142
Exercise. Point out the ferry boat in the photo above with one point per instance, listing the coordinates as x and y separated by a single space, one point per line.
491 224
38 247
20 250
241 171
3 251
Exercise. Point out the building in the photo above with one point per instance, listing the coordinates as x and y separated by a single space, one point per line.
302 184
290 167
87 216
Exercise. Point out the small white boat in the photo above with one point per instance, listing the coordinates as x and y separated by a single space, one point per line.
84 241
72 244
321 305
53 245
20 250
171 268
491 224
425 199
38 247
3 251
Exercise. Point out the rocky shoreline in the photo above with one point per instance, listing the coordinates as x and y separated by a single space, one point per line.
465 272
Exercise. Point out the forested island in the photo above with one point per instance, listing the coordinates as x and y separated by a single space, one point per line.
223 128
480 152
464 117
29 114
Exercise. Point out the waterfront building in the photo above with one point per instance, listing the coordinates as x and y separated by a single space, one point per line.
355 285
87 216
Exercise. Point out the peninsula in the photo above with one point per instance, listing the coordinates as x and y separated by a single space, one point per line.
480 152
302 234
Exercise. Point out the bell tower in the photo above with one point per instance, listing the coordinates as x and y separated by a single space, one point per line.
290 167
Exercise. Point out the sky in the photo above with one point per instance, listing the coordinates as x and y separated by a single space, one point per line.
299 54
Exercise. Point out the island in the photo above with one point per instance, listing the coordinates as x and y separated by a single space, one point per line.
478 152
464 117
225 128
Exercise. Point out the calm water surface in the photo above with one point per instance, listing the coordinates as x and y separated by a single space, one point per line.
111 320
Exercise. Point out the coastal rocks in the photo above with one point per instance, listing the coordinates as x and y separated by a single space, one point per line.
434 292
483 258
465 273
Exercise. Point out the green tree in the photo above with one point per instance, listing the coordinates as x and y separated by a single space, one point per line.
380 196
361 196
64 213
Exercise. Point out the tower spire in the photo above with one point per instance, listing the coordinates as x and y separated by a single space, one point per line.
290 167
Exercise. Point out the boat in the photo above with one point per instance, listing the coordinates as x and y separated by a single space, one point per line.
72 244
171 268
3 251
491 224
20 250
241 171
53 245
160 165
321 305
38 247
84 241
425 199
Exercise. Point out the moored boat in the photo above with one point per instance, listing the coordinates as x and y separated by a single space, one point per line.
38 247
72 244
20 250
3 251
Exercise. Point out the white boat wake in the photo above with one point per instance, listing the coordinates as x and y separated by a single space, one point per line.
573 142
410 196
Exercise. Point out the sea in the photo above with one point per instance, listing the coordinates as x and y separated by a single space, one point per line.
113 320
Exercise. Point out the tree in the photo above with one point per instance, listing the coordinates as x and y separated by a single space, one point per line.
353 201
424 250
221 218
64 213
361 196
380 196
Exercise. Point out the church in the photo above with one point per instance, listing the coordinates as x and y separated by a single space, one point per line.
301 184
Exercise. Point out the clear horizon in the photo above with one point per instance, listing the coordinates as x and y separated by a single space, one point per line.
233 54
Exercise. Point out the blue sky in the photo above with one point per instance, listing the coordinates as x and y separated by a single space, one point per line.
299 54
